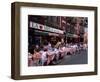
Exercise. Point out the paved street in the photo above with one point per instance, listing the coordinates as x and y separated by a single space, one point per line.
81 58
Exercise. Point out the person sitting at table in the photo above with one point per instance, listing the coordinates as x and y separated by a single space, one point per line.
43 53
36 57
62 50
51 55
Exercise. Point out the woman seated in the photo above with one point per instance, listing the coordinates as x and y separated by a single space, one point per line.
62 51
51 55
36 57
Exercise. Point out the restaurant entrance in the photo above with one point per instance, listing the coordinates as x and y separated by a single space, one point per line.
38 37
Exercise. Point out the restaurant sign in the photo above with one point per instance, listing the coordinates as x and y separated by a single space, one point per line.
44 27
